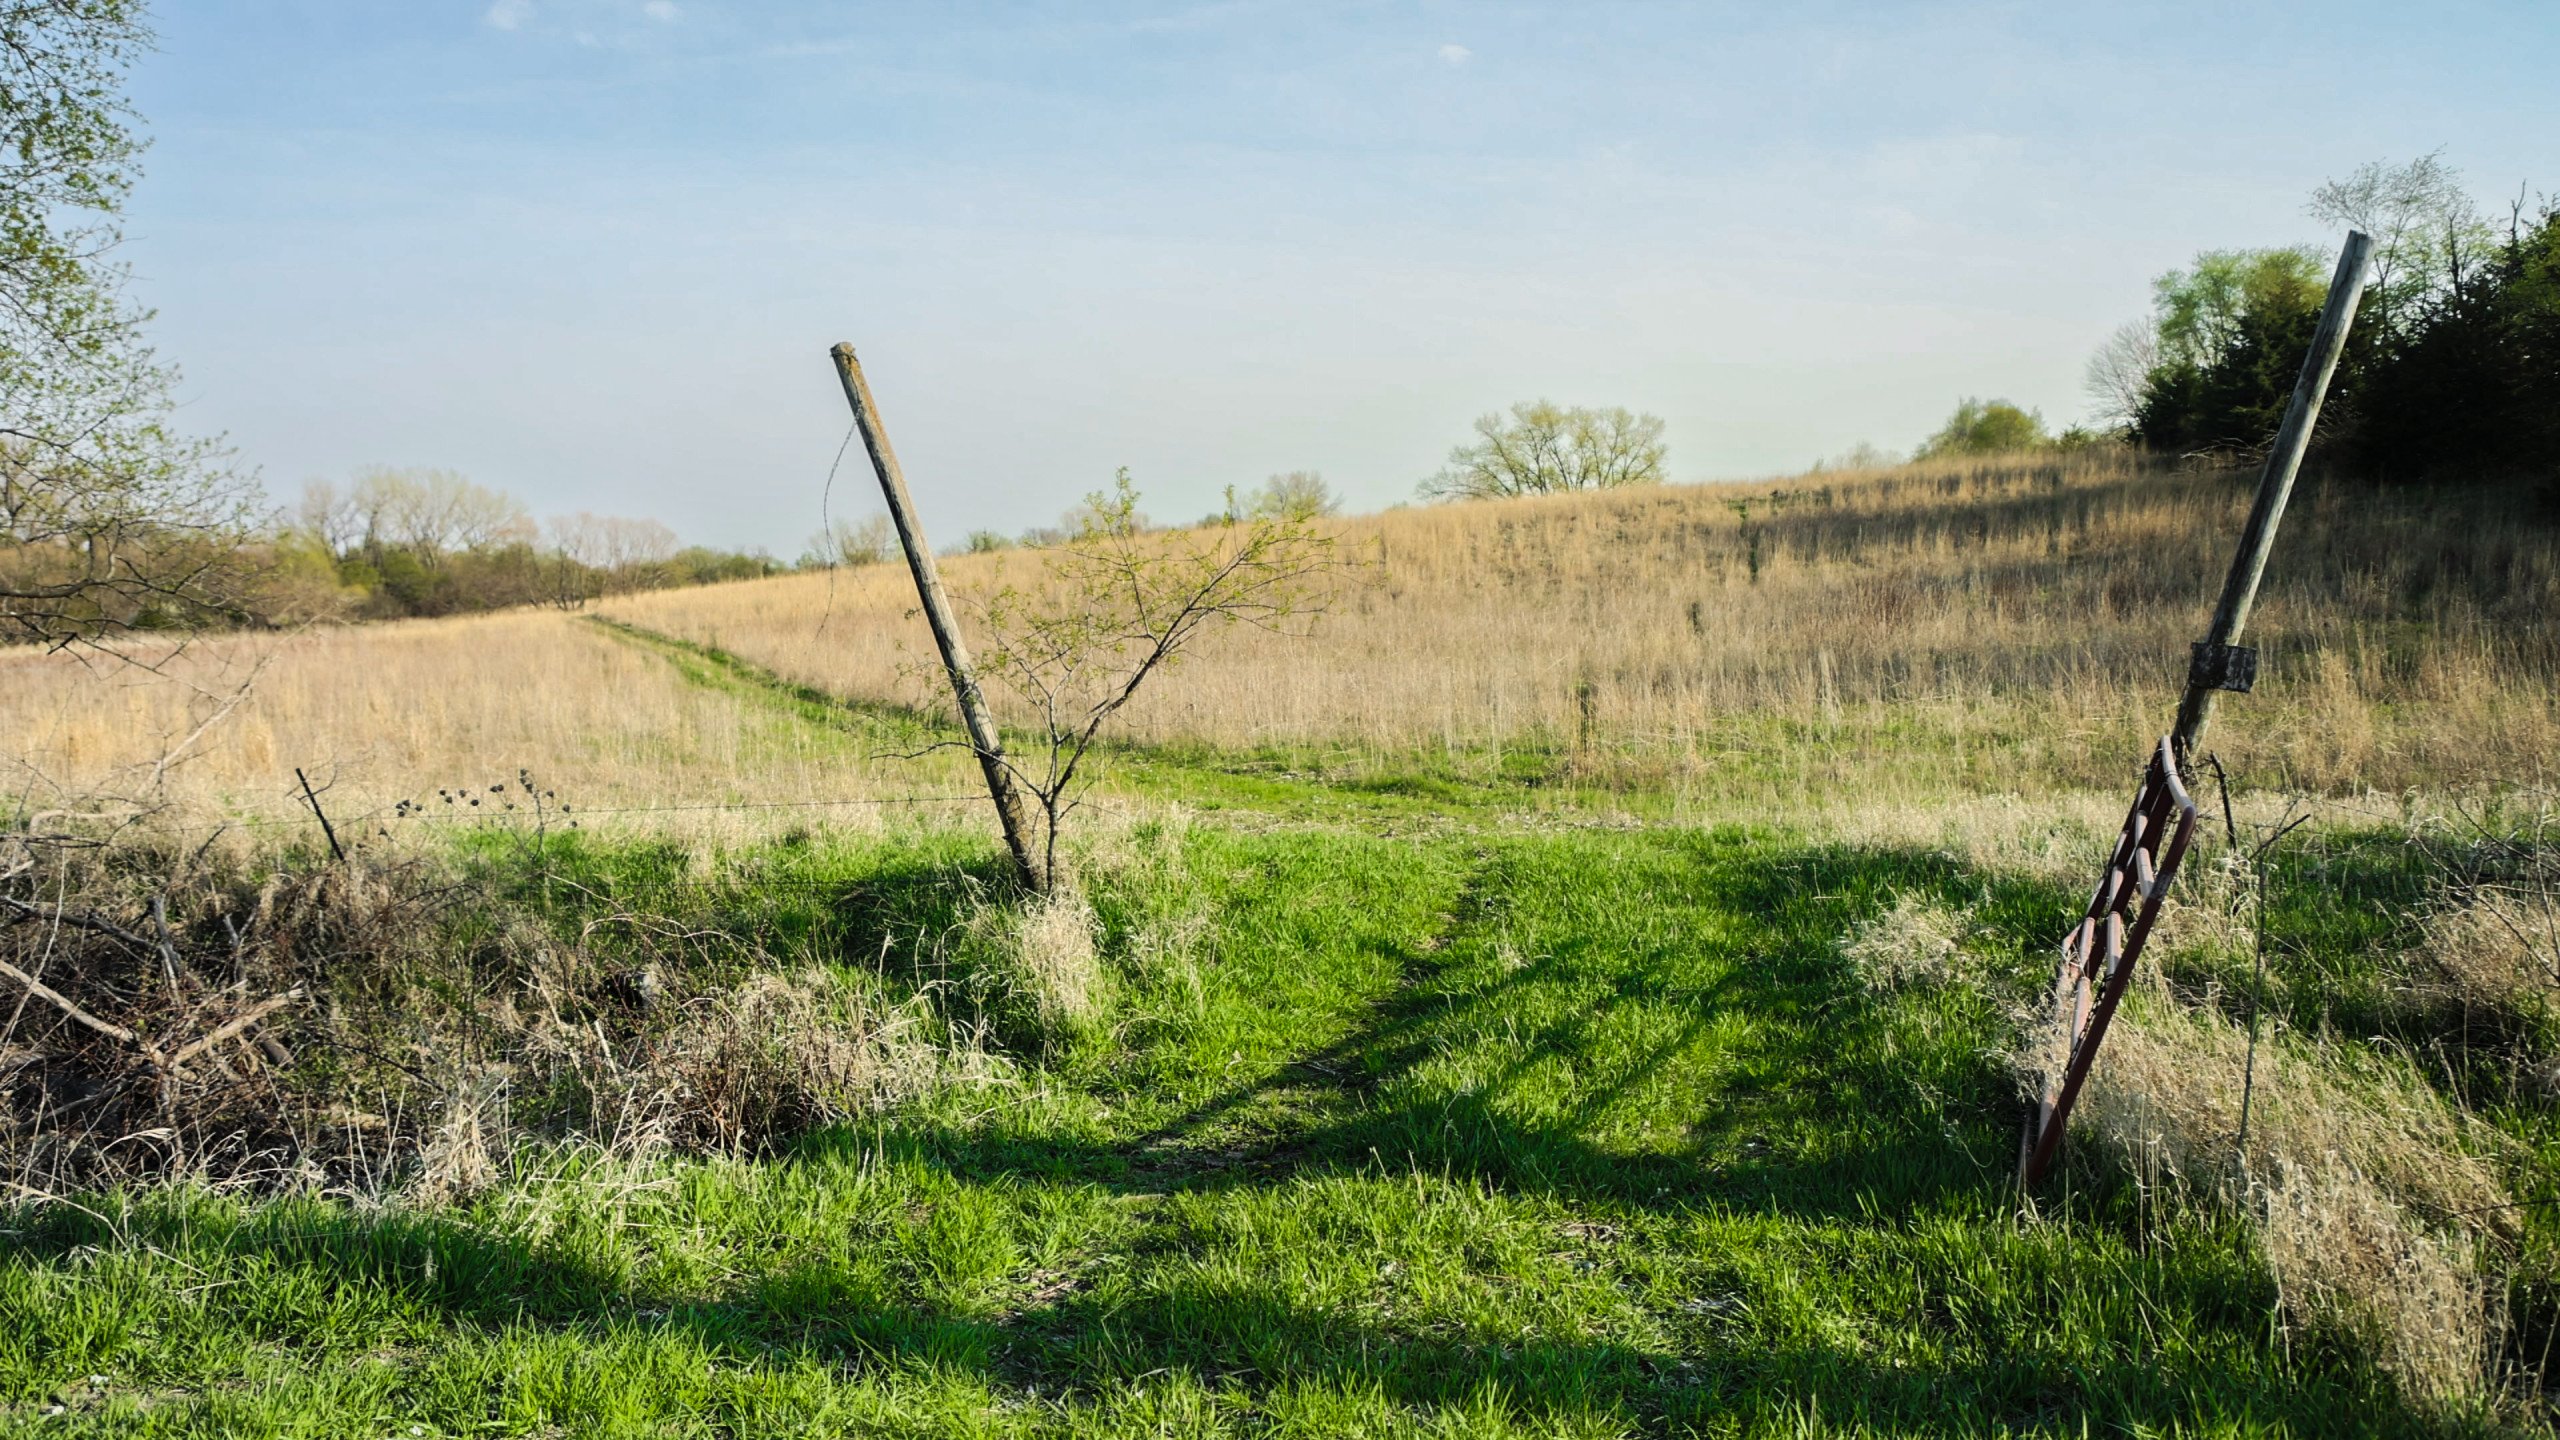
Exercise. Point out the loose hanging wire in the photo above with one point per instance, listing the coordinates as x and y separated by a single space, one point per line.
827 523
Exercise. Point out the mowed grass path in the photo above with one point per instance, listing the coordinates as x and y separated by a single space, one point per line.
1581 1133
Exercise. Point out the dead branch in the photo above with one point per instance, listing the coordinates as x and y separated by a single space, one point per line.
231 1031
67 1006
77 919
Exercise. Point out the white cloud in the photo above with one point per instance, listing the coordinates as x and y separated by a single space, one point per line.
1455 55
507 14
664 11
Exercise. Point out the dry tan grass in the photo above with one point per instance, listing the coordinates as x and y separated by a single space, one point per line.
1045 960
2499 950
2344 1251
2001 629
1914 942
1989 627
2372 1195
392 712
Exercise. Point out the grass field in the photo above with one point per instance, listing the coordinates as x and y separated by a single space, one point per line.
1948 629
1499 1083
1496 1134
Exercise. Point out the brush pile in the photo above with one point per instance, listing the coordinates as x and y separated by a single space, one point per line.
358 1027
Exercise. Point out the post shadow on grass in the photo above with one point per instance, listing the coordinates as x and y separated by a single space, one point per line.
1817 1078
1208 1324
1228 1332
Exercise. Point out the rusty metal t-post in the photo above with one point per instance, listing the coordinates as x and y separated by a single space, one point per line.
974 714
2213 666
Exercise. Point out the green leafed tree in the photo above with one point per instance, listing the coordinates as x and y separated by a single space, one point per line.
2204 310
109 517
2231 330
1985 427
1542 448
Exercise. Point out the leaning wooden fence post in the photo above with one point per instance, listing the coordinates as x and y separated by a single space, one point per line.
937 613
2219 662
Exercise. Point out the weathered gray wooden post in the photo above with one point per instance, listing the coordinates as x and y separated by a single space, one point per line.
974 714
2219 661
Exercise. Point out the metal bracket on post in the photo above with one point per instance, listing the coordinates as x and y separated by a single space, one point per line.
2222 667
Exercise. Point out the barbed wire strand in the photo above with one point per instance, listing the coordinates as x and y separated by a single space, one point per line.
564 816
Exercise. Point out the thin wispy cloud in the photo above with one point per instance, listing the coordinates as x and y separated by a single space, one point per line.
666 12
1455 55
507 14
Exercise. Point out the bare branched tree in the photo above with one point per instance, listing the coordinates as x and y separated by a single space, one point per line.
1545 447
2427 233
868 541
2121 371
1114 604
434 513
328 515
607 552
1299 492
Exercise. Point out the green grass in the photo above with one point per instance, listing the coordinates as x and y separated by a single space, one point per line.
1452 1129
1583 1133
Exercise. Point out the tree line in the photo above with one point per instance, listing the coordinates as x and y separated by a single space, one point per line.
416 542
2452 370
2451 373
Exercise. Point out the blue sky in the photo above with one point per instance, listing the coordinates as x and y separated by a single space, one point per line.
594 251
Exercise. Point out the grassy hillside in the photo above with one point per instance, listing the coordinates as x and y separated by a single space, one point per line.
1971 626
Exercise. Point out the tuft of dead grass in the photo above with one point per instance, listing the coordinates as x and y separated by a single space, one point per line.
1915 941
1045 963
2344 1251
731 1070
464 1149
2497 950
